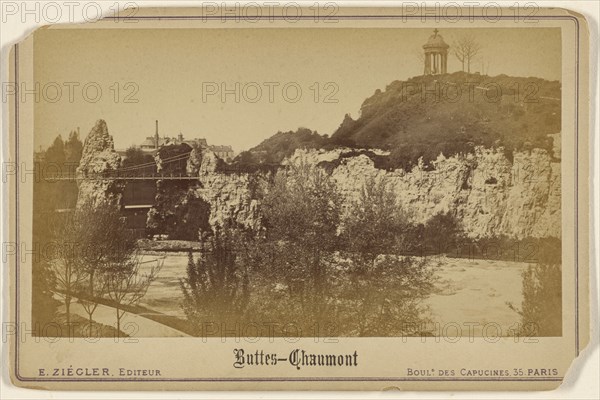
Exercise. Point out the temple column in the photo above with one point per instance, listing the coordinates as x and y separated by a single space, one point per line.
444 63
430 66
427 63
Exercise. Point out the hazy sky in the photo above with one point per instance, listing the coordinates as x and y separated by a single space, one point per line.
175 68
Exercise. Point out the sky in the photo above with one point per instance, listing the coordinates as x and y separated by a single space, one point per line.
286 78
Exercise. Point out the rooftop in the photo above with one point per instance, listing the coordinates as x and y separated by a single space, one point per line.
436 41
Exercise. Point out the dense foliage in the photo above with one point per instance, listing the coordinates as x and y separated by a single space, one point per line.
428 115
136 157
176 212
49 195
541 308
315 267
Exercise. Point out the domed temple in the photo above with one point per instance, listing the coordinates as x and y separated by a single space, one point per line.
436 54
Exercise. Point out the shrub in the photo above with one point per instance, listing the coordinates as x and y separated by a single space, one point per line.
541 308
383 291
216 287
441 230
302 213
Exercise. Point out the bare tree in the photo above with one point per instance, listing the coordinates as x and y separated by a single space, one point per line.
465 49
105 243
419 55
100 261
91 289
126 284
66 261
89 240
68 272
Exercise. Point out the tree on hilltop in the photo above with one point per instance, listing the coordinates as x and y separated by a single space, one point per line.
465 49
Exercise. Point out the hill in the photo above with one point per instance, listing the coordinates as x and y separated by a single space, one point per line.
279 146
428 115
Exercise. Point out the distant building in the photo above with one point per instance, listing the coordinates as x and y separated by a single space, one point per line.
200 142
155 142
223 152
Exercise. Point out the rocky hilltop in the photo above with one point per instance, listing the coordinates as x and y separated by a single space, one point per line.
98 159
423 116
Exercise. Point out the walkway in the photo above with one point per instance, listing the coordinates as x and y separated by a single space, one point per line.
131 324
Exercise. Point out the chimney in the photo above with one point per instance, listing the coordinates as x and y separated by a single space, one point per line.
156 136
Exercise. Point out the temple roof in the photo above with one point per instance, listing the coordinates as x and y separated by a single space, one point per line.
435 41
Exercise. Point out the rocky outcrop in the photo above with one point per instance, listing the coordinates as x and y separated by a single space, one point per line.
194 162
232 196
490 195
487 193
98 159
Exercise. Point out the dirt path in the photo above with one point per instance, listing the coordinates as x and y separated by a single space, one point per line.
131 324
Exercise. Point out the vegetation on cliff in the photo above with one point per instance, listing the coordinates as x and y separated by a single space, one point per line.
428 115
176 211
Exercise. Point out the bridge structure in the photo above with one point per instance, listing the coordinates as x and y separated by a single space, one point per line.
146 171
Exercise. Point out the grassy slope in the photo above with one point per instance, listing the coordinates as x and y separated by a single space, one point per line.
426 115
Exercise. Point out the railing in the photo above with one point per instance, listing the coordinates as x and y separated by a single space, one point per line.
146 171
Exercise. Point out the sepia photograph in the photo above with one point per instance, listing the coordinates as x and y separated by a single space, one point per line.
301 198
434 199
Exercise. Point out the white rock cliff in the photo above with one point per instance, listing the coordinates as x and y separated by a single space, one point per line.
97 160
488 194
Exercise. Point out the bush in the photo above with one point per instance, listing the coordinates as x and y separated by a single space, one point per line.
177 211
442 227
302 213
216 288
541 308
383 291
